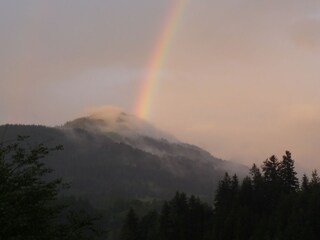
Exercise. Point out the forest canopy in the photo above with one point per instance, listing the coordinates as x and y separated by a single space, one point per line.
267 204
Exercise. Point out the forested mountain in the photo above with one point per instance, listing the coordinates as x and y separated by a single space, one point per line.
117 155
123 172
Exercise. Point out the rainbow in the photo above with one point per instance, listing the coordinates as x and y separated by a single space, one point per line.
157 59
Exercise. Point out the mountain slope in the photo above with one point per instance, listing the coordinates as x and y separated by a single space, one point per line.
103 158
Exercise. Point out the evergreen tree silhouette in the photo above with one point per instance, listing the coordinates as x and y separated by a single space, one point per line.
130 227
287 173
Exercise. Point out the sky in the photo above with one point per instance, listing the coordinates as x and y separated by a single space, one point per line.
241 78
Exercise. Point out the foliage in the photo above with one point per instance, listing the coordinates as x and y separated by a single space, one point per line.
180 218
267 204
28 197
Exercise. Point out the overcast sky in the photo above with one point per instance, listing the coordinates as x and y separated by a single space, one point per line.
241 79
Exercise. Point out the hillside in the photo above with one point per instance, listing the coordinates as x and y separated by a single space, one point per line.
121 156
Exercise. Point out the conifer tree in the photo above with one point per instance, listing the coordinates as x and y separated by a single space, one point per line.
246 192
271 178
180 210
234 184
305 183
270 170
148 227
223 203
315 179
256 176
223 196
130 227
287 173
196 218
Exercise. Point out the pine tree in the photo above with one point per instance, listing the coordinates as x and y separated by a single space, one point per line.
223 196
244 208
196 218
180 210
148 227
165 228
223 203
246 192
270 170
234 184
305 183
287 173
258 186
256 176
315 179
130 227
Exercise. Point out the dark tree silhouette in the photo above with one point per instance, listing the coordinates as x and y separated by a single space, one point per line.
130 227
287 173
264 206
270 170
28 199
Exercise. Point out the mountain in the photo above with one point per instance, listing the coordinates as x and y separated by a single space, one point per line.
114 154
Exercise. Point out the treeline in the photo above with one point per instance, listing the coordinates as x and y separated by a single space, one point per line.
270 203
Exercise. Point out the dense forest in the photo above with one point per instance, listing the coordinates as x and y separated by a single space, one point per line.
270 203
267 204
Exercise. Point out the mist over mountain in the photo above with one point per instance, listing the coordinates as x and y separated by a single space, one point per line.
110 153
114 120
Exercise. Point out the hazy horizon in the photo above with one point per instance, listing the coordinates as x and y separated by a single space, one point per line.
241 78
